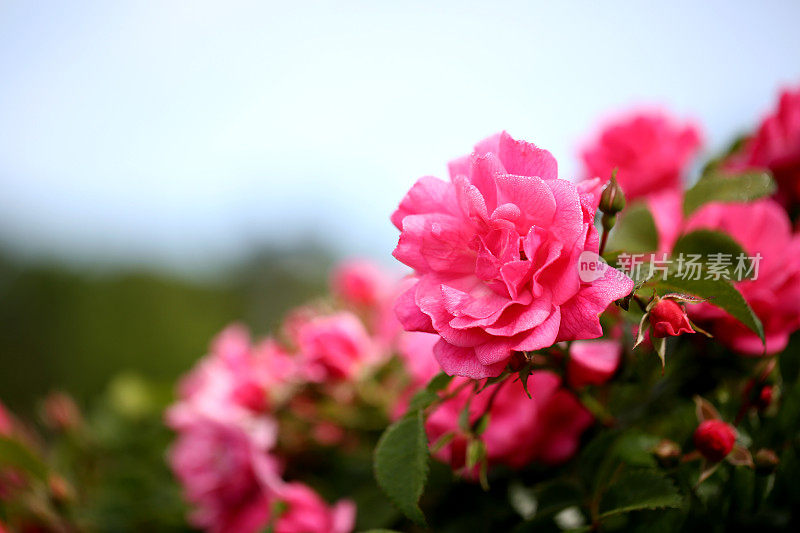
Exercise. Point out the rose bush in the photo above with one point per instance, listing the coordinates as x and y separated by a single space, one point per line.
549 396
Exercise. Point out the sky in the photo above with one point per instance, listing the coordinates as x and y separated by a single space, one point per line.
183 134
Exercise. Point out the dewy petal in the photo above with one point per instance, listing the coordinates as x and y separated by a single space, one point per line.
567 223
457 361
533 197
580 314
518 318
542 336
427 195
470 200
496 351
525 159
437 242
482 173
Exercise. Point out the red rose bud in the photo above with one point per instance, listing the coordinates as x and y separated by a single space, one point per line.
764 398
668 319
61 413
714 439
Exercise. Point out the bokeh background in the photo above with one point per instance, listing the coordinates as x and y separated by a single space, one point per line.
168 167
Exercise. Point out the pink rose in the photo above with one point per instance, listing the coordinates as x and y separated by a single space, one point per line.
761 228
335 347
306 512
360 283
496 253
545 428
226 474
593 362
650 151
239 376
776 146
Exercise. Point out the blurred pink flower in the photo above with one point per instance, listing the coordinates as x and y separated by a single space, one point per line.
5 421
416 351
776 146
545 428
306 512
760 228
496 254
361 283
239 376
226 472
650 151
334 347
593 362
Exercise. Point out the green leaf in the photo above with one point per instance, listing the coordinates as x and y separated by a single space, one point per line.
743 187
704 242
639 489
439 382
635 231
720 293
424 398
14 454
401 464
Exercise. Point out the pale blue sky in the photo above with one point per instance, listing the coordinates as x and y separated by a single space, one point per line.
180 133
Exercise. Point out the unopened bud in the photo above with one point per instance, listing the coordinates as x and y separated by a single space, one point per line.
668 453
758 395
612 200
764 397
766 461
61 413
60 489
714 439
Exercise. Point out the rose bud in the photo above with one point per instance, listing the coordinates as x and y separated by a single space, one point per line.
766 461
668 453
764 398
612 200
714 439
668 318
61 413
757 395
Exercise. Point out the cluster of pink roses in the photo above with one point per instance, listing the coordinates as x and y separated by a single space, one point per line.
651 153
224 455
233 442
495 291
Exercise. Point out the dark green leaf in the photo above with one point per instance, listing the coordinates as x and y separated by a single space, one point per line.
401 464
426 397
704 243
725 188
639 489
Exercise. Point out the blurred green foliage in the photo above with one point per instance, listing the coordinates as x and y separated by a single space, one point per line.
73 330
